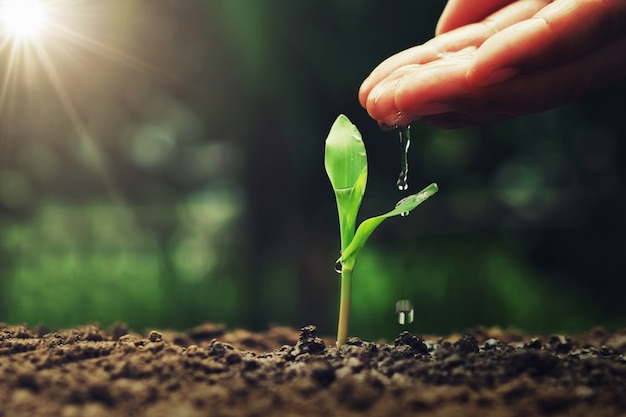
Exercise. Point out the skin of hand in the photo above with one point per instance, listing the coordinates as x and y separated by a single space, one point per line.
495 59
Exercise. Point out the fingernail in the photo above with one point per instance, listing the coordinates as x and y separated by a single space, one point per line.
500 75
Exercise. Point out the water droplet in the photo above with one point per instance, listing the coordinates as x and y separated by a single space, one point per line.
405 142
338 266
404 213
405 311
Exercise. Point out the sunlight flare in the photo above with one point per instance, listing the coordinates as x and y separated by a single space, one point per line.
22 18
52 42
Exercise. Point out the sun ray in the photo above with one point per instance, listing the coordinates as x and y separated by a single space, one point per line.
7 42
102 49
7 93
56 30
8 76
87 140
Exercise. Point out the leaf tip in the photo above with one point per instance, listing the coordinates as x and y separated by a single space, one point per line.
343 127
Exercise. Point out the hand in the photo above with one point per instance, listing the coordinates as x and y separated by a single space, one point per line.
495 59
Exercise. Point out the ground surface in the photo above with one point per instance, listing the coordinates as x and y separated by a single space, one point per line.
212 372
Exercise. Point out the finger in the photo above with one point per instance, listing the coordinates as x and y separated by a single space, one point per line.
462 40
416 55
560 32
476 34
459 13
534 92
543 90
414 91
394 66
517 11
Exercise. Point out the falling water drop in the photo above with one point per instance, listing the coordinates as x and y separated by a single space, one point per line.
405 142
338 266
405 311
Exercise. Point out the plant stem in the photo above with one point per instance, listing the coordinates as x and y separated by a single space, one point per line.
344 306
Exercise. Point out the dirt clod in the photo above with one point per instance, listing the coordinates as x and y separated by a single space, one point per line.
467 344
406 338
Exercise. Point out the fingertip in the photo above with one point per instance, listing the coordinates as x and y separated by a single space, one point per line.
363 93
379 101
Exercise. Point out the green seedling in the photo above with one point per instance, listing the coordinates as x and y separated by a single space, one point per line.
346 165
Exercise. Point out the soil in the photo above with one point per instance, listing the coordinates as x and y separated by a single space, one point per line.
210 371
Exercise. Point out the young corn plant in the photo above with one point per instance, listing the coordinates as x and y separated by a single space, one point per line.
346 165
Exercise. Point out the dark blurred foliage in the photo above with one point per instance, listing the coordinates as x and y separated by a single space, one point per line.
161 164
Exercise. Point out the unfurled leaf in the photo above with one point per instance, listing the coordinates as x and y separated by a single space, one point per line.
350 253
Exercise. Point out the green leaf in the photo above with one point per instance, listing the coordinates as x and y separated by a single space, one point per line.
346 165
350 254
345 157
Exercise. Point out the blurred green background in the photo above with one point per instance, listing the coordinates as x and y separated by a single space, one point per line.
161 165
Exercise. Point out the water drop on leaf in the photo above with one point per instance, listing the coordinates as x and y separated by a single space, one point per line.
338 266
404 213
